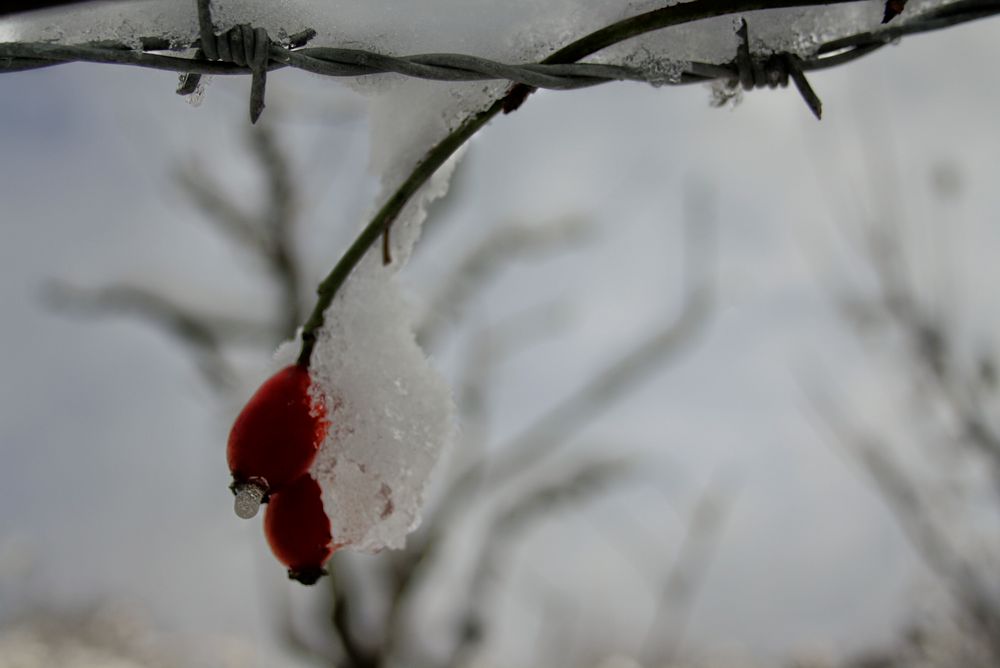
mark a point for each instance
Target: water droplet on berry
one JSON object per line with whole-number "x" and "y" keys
{"x": 249, "y": 496}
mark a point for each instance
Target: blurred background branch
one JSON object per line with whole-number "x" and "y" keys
{"x": 389, "y": 586}
{"x": 928, "y": 474}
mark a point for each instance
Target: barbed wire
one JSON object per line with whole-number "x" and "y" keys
{"x": 244, "y": 50}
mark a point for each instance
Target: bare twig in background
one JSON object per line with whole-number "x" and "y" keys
{"x": 201, "y": 334}
{"x": 537, "y": 441}
{"x": 588, "y": 480}
{"x": 269, "y": 234}
{"x": 543, "y": 437}
{"x": 278, "y": 218}
{"x": 346, "y": 595}
{"x": 290, "y": 634}
{"x": 220, "y": 210}
{"x": 952, "y": 429}
{"x": 369, "y": 623}
{"x": 487, "y": 347}
{"x": 664, "y": 637}
{"x": 935, "y": 541}
{"x": 931, "y": 351}
{"x": 505, "y": 245}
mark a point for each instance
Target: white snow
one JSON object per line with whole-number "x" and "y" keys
{"x": 515, "y": 30}
{"x": 391, "y": 414}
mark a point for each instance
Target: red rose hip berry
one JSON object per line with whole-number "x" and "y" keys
{"x": 298, "y": 529}
{"x": 274, "y": 439}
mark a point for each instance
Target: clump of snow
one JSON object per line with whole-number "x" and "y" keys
{"x": 391, "y": 414}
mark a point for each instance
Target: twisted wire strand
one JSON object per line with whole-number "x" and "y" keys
{"x": 241, "y": 51}
{"x": 245, "y": 50}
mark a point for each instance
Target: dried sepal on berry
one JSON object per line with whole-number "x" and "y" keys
{"x": 298, "y": 529}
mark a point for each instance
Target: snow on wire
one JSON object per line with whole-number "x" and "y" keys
{"x": 244, "y": 50}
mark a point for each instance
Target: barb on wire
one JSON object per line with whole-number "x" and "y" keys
{"x": 242, "y": 45}
{"x": 772, "y": 72}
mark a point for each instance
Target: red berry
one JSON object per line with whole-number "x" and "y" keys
{"x": 275, "y": 437}
{"x": 298, "y": 529}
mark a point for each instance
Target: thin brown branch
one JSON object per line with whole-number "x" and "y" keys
{"x": 345, "y": 599}
{"x": 931, "y": 540}
{"x": 931, "y": 351}
{"x": 480, "y": 266}
{"x": 221, "y": 211}
{"x": 587, "y": 481}
{"x": 543, "y": 437}
{"x": 279, "y": 609}
{"x": 279, "y": 218}
{"x": 665, "y": 635}
{"x": 196, "y": 332}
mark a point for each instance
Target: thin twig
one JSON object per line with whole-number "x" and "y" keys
{"x": 434, "y": 158}
{"x": 930, "y": 539}
{"x": 220, "y": 209}
{"x": 345, "y": 598}
{"x": 278, "y": 219}
{"x": 200, "y": 333}
{"x": 543, "y": 437}
{"x": 665, "y": 633}
{"x": 483, "y": 262}
{"x": 588, "y": 480}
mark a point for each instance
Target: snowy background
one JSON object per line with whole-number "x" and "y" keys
{"x": 113, "y": 485}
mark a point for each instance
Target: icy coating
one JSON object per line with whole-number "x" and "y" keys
{"x": 513, "y": 30}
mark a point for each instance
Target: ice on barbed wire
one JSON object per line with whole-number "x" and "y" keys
{"x": 514, "y": 30}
